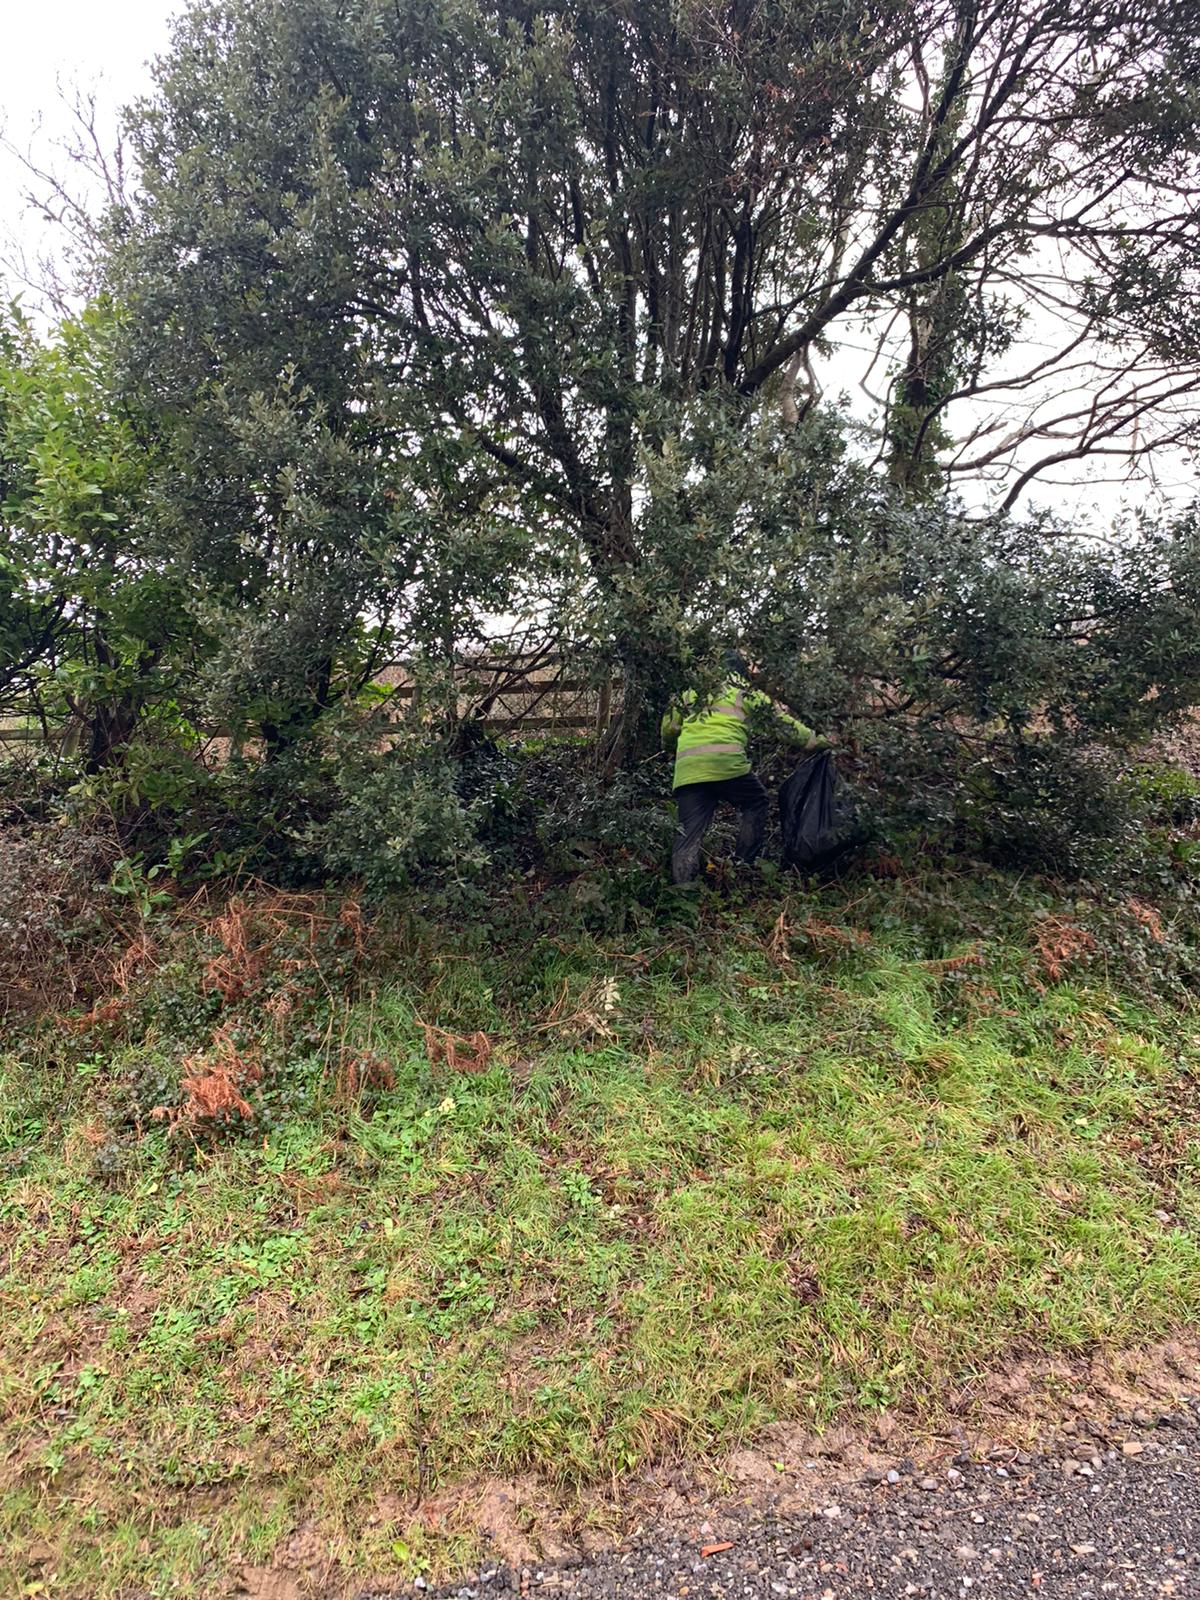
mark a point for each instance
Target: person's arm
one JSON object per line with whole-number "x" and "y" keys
{"x": 798, "y": 733}
{"x": 674, "y": 716}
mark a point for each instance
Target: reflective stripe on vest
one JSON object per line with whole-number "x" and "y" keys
{"x": 711, "y": 750}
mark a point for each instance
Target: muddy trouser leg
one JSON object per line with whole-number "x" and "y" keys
{"x": 753, "y": 802}
{"x": 696, "y": 804}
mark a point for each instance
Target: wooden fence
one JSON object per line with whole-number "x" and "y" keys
{"x": 535, "y": 692}
{"x": 529, "y": 691}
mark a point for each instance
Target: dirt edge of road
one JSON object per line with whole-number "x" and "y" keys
{"x": 1031, "y": 1404}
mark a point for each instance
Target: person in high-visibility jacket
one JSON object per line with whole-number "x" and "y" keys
{"x": 712, "y": 767}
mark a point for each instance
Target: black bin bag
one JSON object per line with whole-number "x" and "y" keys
{"x": 814, "y": 820}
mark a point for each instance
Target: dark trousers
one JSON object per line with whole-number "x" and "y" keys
{"x": 697, "y": 804}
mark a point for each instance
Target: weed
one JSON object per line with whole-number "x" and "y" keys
{"x": 460, "y": 1055}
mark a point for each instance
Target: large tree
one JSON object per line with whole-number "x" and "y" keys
{"x": 428, "y": 289}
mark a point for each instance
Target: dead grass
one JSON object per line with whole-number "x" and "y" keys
{"x": 248, "y": 930}
{"x": 471, "y": 1054}
{"x": 1060, "y": 943}
{"x": 212, "y": 1085}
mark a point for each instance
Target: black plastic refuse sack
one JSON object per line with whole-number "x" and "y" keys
{"x": 811, "y": 815}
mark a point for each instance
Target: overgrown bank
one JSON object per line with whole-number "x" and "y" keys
{"x": 529, "y": 1198}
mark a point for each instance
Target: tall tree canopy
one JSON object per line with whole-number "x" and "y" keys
{"x": 449, "y": 301}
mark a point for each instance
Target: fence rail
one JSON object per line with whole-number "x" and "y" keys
{"x": 542, "y": 691}
{"x": 538, "y": 692}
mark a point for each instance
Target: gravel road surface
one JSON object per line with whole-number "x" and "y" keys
{"x": 1115, "y": 1514}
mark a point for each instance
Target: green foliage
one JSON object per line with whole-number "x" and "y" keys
{"x": 1170, "y": 795}
{"x": 1067, "y": 813}
{"x": 395, "y": 816}
{"x": 93, "y": 599}
{"x": 573, "y": 815}
{"x": 459, "y": 310}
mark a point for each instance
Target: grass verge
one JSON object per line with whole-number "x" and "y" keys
{"x": 711, "y": 1175}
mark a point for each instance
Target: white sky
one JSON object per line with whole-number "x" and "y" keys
{"x": 108, "y": 49}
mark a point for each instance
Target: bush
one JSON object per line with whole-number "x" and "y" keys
{"x": 396, "y": 818}
{"x": 575, "y": 816}
{"x": 1069, "y": 812}
{"x": 1170, "y": 795}
{"x": 57, "y": 908}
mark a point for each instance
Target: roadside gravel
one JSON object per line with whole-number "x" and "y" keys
{"x": 1111, "y": 1512}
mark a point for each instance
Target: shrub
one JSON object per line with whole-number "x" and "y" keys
{"x": 1066, "y": 811}
{"x": 575, "y": 815}
{"x": 1170, "y": 795}
{"x": 395, "y": 819}
{"x": 57, "y": 911}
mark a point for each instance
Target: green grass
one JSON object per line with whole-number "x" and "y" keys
{"x": 703, "y": 1185}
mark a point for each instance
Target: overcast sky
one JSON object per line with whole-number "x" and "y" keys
{"x": 106, "y": 47}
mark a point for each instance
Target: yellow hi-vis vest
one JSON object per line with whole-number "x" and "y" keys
{"x": 712, "y": 740}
